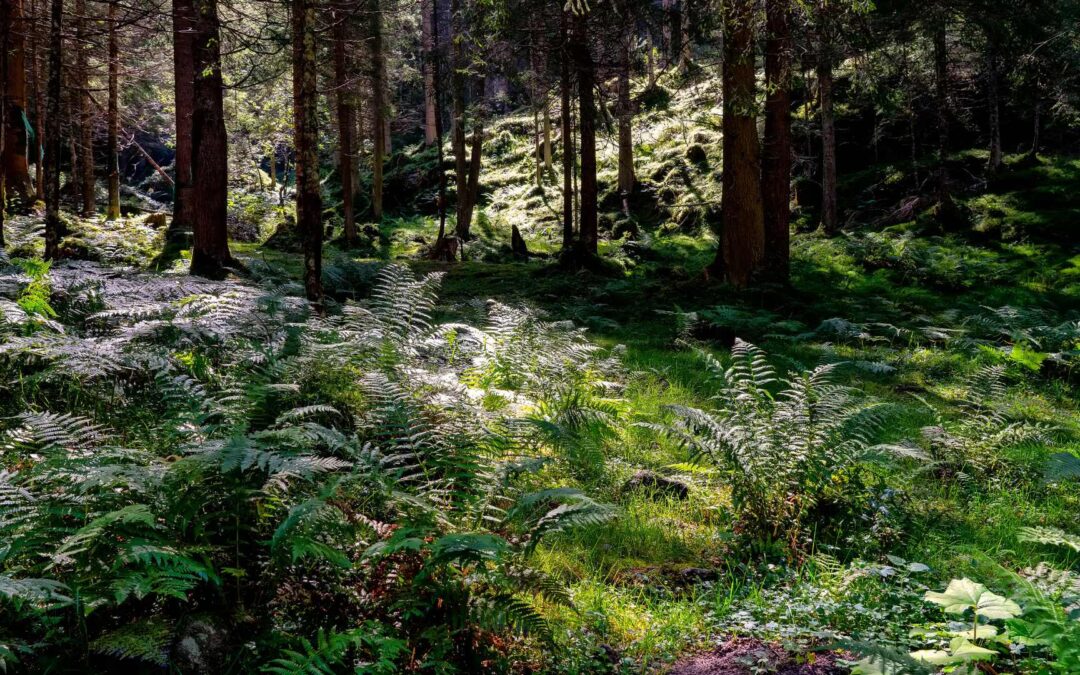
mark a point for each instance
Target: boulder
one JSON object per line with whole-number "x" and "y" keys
{"x": 653, "y": 483}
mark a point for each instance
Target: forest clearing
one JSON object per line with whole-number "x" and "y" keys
{"x": 702, "y": 337}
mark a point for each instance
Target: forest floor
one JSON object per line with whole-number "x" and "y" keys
{"x": 919, "y": 314}
{"x": 916, "y": 312}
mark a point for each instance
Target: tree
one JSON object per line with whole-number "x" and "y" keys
{"x": 776, "y": 153}
{"x": 54, "y": 226}
{"x": 183, "y": 17}
{"x": 586, "y": 83}
{"x": 378, "y": 109}
{"x": 428, "y": 19}
{"x": 346, "y": 121}
{"x": 16, "y": 167}
{"x": 627, "y": 179}
{"x": 85, "y": 114}
{"x": 567, "y": 129}
{"x": 742, "y": 237}
{"x": 112, "y": 211}
{"x": 306, "y": 128}
{"x": 830, "y": 219}
{"x": 210, "y": 256}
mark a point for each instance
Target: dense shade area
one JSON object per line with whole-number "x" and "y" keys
{"x": 711, "y": 337}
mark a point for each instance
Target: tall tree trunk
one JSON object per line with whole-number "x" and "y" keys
{"x": 306, "y": 131}
{"x": 627, "y": 180}
{"x": 436, "y": 61}
{"x": 39, "y": 104}
{"x": 547, "y": 133}
{"x": 830, "y": 221}
{"x": 54, "y": 227}
{"x": 993, "y": 82}
{"x": 112, "y": 212}
{"x": 428, "y": 16}
{"x": 457, "y": 94}
{"x": 16, "y": 168}
{"x": 210, "y": 256}
{"x": 85, "y": 114}
{"x": 1036, "y": 126}
{"x": 567, "y": 138}
{"x": 742, "y": 237}
{"x": 346, "y": 125}
{"x": 586, "y": 77}
{"x": 378, "y": 110}
{"x": 685, "y": 52}
{"x": 941, "y": 101}
{"x": 472, "y": 182}
{"x": 5, "y": 48}
{"x": 667, "y": 42}
{"x": 183, "y": 220}
{"x": 776, "y": 153}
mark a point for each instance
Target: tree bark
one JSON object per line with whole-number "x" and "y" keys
{"x": 112, "y": 212}
{"x": 472, "y": 182}
{"x": 993, "y": 82}
{"x": 5, "y": 48}
{"x": 435, "y": 51}
{"x": 183, "y": 220}
{"x": 346, "y": 125}
{"x": 16, "y": 168}
{"x": 742, "y": 237}
{"x": 210, "y": 256}
{"x": 427, "y": 18}
{"x": 567, "y": 139}
{"x": 627, "y": 179}
{"x": 586, "y": 75}
{"x": 54, "y": 227}
{"x": 85, "y": 114}
{"x": 457, "y": 94}
{"x": 39, "y": 105}
{"x": 941, "y": 101}
{"x": 830, "y": 221}
{"x": 378, "y": 110}
{"x": 776, "y": 153}
{"x": 306, "y": 130}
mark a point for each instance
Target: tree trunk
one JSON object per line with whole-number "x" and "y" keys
{"x": 472, "y": 182}
{"x": 210, "y": 256}
{"x": 183, "y": 220}
{"x": 39, "y": 105}
{"x": 586, "y": 74}
{"x": 85, "y": 114}
{"x": 435, "y": 60}
{"x": 742, "y": 237}
{"x": 685, "y": 52}
{"x": 941, "y": 101}
{"x": 378, "y": 111}
{"x": 54, "y": 227}
{"x": 993, "y": 83}
{"x": 547, "y": 134}
{"x": 627, "y": 180}
{"x": 776, "y": 153}
{"x": 16, "y": 168}
{"x": 427, "y": 18}
{"x": 5, "y": 48}
{"x": 346, "y": 125}
{"x": 1033, "y": 153}
{"x": 112, "y": 212}
{"x": 567, "y": 139}
{"x": 830, "y": 221}
{"x": 306, "y": 130}
{"x": 457, "y": 94}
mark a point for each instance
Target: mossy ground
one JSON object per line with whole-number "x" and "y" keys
{"x": 1019, "y": 252}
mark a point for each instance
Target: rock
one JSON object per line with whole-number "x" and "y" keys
{"x": 696, "y": 154}
{"x": 517, "y": 244}
{"x": 157, "y": 220}
{"x": 691, "y": 576}
{"x": 653, "y": 483}
{"x": 201, "y": 647}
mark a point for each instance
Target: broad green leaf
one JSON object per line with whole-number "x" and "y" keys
{"x": 964, "y": 650}
{"x": 936, "y": 657}
{"x": 965, "y": 594}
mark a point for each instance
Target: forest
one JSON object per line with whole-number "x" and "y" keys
{"x": 701, "y": 337}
